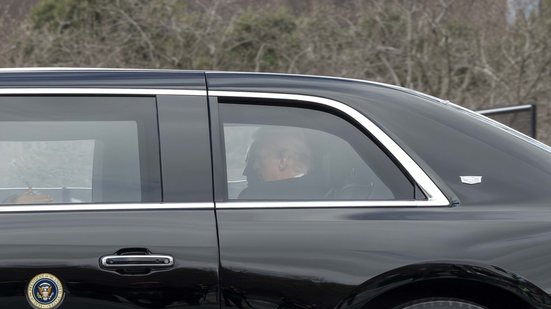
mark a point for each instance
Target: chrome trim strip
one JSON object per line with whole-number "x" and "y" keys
{"x": 86, "y": 207}
{"x": 434, "y": 195}
{"x": 326, "y": 204}
{"x": 47, "y": 188}
{"x": 504, "y": 109}
{"x": 114, "y": 91}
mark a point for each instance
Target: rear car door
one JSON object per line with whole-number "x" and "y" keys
{"x": 301, "y": 183}
{"x": 106, "y": 199}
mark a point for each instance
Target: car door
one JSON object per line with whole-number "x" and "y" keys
{"x": 305, "y": 240}
{"x": 106, "y": 199}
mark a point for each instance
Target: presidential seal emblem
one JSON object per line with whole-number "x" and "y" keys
{"x": 45, "y": 291}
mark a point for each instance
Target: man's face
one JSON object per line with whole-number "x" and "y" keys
{"x": 263, "y": 164}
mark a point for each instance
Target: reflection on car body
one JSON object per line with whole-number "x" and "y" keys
{"x": 173, "y": 189}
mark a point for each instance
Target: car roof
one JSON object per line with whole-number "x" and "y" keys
{"x": 101, "y": 78}
{"x": 42, "y": 72}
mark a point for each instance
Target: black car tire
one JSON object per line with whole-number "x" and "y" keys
{"x": 439, "y": 303}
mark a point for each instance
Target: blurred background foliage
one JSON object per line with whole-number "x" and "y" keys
{"x": 471, "y": 52}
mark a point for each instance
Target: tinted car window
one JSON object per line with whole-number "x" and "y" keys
{"x": 78, "y": 150}
{"x": 291, "y": 153}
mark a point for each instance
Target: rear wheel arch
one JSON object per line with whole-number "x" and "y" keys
{"x": 477, "y": 292}
{"x": 487, "y": 285}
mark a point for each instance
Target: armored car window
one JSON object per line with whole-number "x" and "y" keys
{"x": 78, "y": 150}
{"x": 291, "y": 153}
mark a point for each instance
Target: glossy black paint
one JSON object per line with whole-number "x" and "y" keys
{"x": 185, "y": 148}
{"x": 69, "y": 245}
{"x": 188, "y": 80}
{"x": 320, "y": 257}
{"x": 336, "y": 257}
{"x": 494, "y": 240}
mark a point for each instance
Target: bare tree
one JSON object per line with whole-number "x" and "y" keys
{"x": 465, "y": 51}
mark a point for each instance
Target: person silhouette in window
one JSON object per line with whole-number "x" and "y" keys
{"x": 279, "y": 167}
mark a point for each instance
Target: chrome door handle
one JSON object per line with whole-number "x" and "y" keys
{"x": 150, "y": 260}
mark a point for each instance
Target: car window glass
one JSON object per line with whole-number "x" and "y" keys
{"x": 289, "y": 153}
{"x": 77, "y": 154}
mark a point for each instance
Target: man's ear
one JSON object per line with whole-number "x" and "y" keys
{"x": 284, "y": 161}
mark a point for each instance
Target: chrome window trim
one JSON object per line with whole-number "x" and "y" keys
{"x": 435, "y": 197}
{"x": 323, "y": 204}
{"x": 88, "y": 207}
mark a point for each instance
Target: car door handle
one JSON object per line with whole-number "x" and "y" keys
{"x": 126, "y": 261}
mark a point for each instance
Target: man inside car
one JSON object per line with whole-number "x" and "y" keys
{"x": 279, "y": 167}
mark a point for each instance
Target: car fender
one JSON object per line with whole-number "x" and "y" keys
{"x": 451, "y": 270}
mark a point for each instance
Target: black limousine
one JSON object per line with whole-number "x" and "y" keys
{"x": 176, "y": 189}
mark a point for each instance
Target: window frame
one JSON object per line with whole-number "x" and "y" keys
{"x": 107, "y": 206}
{"x": 435, "y": 197}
